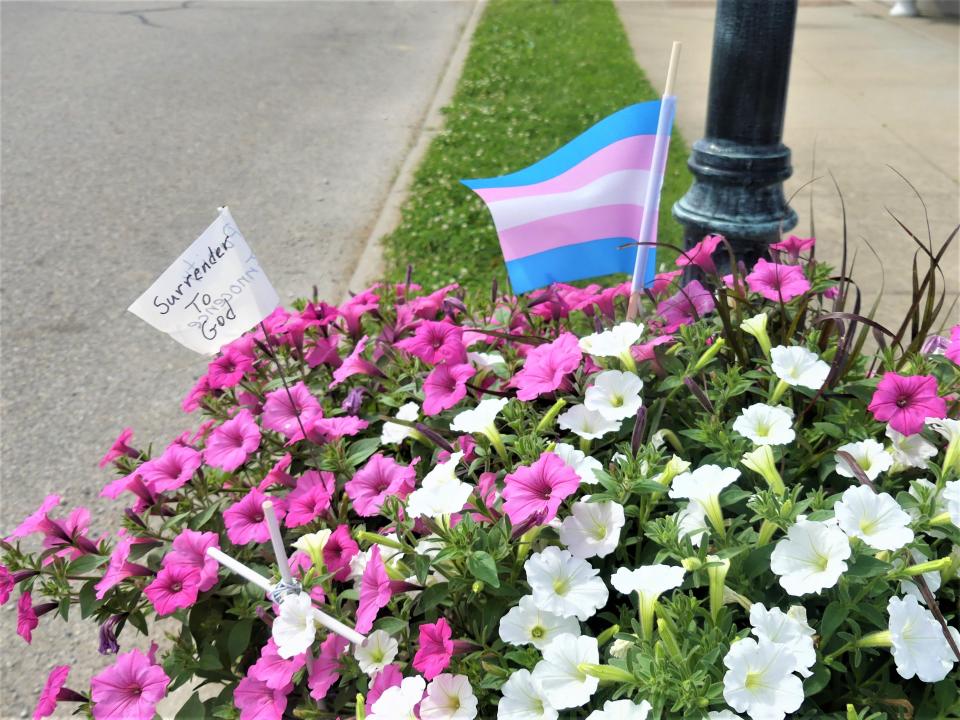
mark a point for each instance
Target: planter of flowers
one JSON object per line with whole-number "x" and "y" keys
{"x": 531, "y": 508}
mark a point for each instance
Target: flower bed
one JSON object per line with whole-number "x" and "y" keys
{"x": 532, "y": 508}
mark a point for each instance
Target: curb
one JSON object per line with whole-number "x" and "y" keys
{"x": 370, "y": 266}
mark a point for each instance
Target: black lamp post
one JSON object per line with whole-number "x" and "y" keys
{"x": 741, "y": 163}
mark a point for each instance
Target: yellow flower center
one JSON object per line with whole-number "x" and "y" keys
{"x": 561, "y": 586}
{"x": 754, "y": 680}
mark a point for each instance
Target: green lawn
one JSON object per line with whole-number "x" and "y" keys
{"x": 538, "y": 74}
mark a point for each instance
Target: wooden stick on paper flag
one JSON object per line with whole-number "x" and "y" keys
{"x": 212, "y": 294}
{"x": 648, "y": 223}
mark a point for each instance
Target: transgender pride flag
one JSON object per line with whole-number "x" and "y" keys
{"x": 565, "y": 217}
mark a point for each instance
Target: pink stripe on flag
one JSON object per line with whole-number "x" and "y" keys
{"x": 632, "y": 153}
{"x": 598, "y": 223}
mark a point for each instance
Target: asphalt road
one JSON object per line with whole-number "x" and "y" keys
{"x": 124, "y": 126}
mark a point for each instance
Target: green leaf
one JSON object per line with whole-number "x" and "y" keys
{"x": 833, "y": 618}
{"x": 239, "y": 638}
{"x": 867, "y": 566}
{"x": 200, "y": 520}
{"x": 391, "y": 625}
{"x": 87, "y": 563}
{"x": 88, "y": 598}
{"x": 362, "y": 449}
{"x": 483, "y": 567}
{"x": 434, "y": 595}
{"x": 816, "y": 682}
{"x": 192, "y": 709}
{"x": 137, "y": 619}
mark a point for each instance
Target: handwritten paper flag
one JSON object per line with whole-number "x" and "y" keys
{"x": 212, "y": 294}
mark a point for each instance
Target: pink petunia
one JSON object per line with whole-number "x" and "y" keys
{"x": 132, "y": 483}
{"x": 355, "y": 364}
{"x": 273, "y": 670}
{"x": 906, "y": 400}
{"x": 547, "y": 366}
{"x": 69, "y": 535}
{"x": 683, "y": 308}
{"x": 189, "y": 549}
{"x": 953, "y": 349}
{"x": 794, "y": 245}
{"x": 118, "y": 567}
{"x": 445, "y": 386}
{"x": 129, "y": 689}
{"x": 175, "y": 587}
{"x": 701, "y": 254}
{"x": 27, "y": 619}
{"x": 35, "y": 522}
{"x": 537, "y": 491}
{"x": 379, "y": 479}
{"x": 323, "y": 672}
{"x": 245, "y": 520}
{"x": 428, "y": 306}
{"x": 6, "y": 584}
{"x": 197, "y": 393}
{"x": 310, "y": 498}
{"x": 375, "y": 591}
{"x": 390, "y": 676}
{"x": 232, "y": 443}
{"x": 119, "y": 448}
{"x": 257, "y": 701}
{"x": 286, "y": 417}
{"x": 228, "y": 369}
{"x": 353, "y": 310}
{"x": 50, "y": 694}
{"x": 436, "y": 342}
{"x": 323, "y": 351}
{"x": 436, "y": 648}
{"x": 278, "y": 474}
{"x": 644, "y": 351}
{"x": 339, "y": 551}
{"x": 173, "y": 469}
{"x": 323, "y": 429}
{"x": 663, "y": 281}
{"x": 777, "y": 282}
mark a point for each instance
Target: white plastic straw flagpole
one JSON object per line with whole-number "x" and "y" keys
{"x": 332, "y": 624}
{"x": 240, "y": 569}
{"x": 276, "y": 539}
{"x": 651, "y": 200}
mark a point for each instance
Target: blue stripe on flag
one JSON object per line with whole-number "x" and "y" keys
{"x": 639, "y": 119}
{"x": 576, "y": 262}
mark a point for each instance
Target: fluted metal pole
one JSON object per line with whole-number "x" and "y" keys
{"x": 740, "y": 164}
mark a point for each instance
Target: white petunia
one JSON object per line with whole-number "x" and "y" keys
{"x": 581, "y": 463}
{"x": 592, "y": 529}
{"x": 588, "y": 424}
{"x": 449, "y": 697}
{"x": 312, "y": 544}
{"x": 703, "y": 486}
{"x": 869, "y": 455}
{"x": 480, "y": 419}
{"x": 760, "y": 680}
{"x": 615, "y": 395}
{"x": 798, "y": 366}
{"x": 398, "y": 702}
{"x": 615, "y": 342}
{"x": 394, "y": 433}
{"x": 436, "y": 502}
{"x": 485, "y": 361}
{"x": 443, "y": 473}
{"x": 723, "y": 715}
{"x": 811, "y": 557}
{"x": 559, "y": 674}
{"x": 622, "y": 710}
{"x": 692, "y": 522}
{"x": 358, "y": 563}
{"x": 947, "y": 428}
{"x": 649, "y": 582}
{"x": 524, "y": 699}
{"x": 789, "y": 629}
{"x": 875, "y": 518}
{"x": 528, "y": 623}
{"x": 766, "y": 424}
{"x": 565, "y": 585}
{"x": 376, "y": 652}
{"x": 295, "y": 626}
{"x": 620, "y": 647}
{"x": 909, "y": 451}
{"x": 919, "y": 645}
{"x": 675, "y": 465}
{"x": 951, "y": 496}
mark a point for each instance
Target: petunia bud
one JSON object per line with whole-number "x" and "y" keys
{"x": 669, "y": 639}
{"x": 547, "y": 421}
{"x": 925, "y": 567}
{"x": 605, "y": 636}
{"x": 675, "y": 466}
{"x": 757, "y": 326}
{"x": 607, "y": 673}
{"x": 709, "y": 354}
{"x": 717, "y": 572}
{"x": 691, "y": 563}
{"x": 761, "y": 461}
{"x": 361, "y": 708}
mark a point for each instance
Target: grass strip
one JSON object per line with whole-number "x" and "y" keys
{"x": 539, "y": 72}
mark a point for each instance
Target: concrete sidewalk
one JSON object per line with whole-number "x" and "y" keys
{"x": 870, "y": 91}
